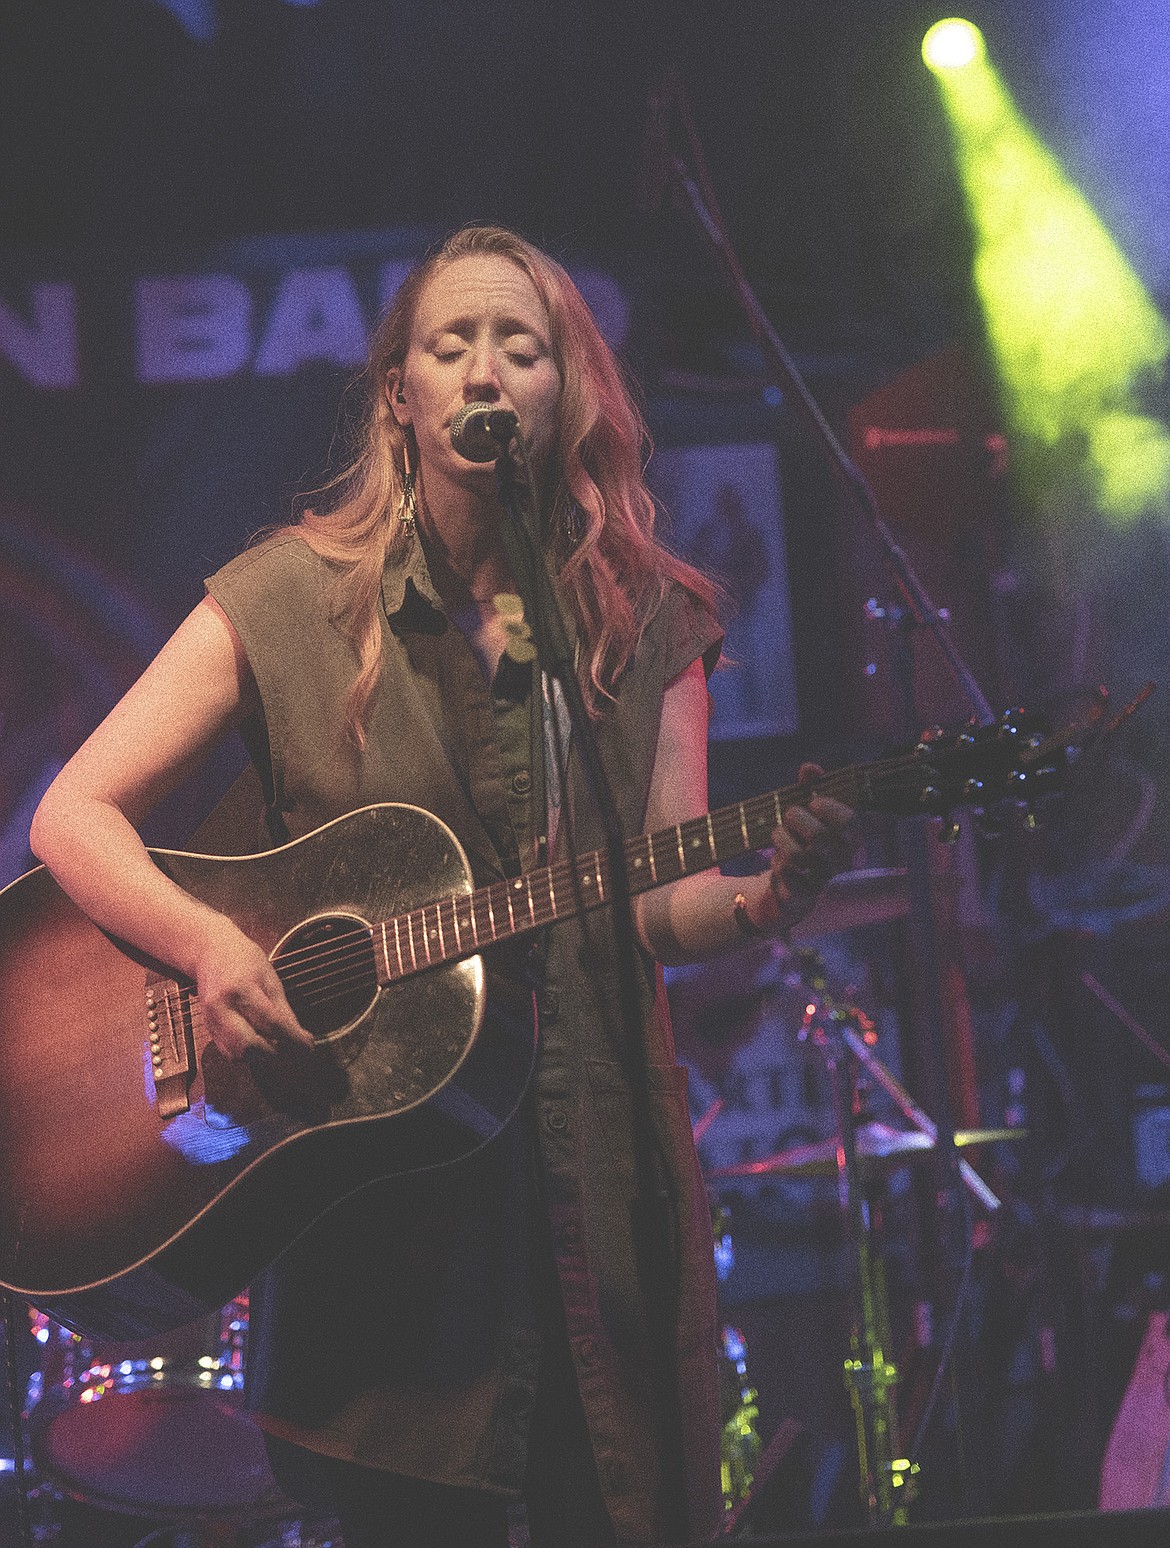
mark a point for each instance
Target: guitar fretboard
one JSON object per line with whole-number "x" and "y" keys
{"x": 454, "y": 927}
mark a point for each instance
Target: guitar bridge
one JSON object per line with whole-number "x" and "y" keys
{"x": 172, "y": 1045}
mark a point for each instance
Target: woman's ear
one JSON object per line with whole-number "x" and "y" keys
{"x": 397, "y": 398}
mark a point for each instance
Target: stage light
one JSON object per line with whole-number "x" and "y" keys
{"x": 1076, "y": 339}
{"x": 951, "y": 44}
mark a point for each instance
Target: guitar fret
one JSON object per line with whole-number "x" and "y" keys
{"x": 636, "y": 860}
{"x": 464, "y": 922}
{"x": 410, "y": 938}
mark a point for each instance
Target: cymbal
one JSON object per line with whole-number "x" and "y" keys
{"x": 877, "y": 1144}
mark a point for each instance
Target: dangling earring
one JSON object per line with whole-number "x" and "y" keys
{"x": 407, "y": 512}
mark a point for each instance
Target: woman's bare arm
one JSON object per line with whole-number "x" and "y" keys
{"x": 688, "y": 920}
{"x": 196, "y": 689}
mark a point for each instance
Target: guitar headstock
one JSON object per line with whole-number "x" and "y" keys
{"x": 1013, "y": 763}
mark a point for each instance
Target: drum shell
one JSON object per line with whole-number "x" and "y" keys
{"x": 154, "y": 1428}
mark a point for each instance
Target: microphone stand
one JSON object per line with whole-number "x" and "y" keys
{"x": 653, "y": 1205}
{"x": 918, "y": 612}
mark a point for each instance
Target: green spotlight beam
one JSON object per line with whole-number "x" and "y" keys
{"x": 1074, "y": 333}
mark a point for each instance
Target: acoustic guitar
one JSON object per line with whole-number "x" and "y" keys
{"x": 144, "y": 1178}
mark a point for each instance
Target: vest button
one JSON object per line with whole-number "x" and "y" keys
{"x": 557, "y": 1120}
{"x": 522, "y": 782}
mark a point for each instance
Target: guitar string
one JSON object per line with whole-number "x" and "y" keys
{"x": 330, "y": 971}
{"x": 317, "y": 963}
{"x": 727, "y": 818}
{"x": 321, "y": 972}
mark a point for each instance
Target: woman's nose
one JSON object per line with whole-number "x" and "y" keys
{"x": 483, "y": 376}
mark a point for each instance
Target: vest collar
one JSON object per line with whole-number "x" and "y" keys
{"x": 408, "y": 595}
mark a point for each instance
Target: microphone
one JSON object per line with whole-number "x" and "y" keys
{"x": 481, "y": 432}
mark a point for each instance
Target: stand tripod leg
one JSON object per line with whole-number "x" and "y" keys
{"x": 885, "y": 1477}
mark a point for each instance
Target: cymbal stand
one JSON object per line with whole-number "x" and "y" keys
{"x": 896, "y": 1091}
{"x": 886, "y": 1478}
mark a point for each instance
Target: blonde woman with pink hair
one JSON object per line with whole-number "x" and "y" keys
{"x": 441, "y": 1344}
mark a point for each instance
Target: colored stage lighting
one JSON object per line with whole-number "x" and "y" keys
{"x": 951, "y": 44}
{"x": 1077, "y": 341}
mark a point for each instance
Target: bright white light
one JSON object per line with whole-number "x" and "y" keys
{"x": 951, "y": 44}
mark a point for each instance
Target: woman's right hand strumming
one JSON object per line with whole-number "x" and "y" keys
{"x": 244, "y": 1006}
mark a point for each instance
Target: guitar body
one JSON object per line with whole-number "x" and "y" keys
{"x": 122, "y": 1222}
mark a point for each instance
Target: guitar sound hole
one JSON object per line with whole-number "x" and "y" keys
{"x": 327, "y": 968}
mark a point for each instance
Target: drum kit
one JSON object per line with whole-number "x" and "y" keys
{"x": 861, "y": 1156}
{"x": 157, "y": 1430}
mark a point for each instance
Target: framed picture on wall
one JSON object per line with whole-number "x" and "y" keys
{"x": 726, "y": 516}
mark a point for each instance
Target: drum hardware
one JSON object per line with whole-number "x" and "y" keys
{"x": 845, "y": 1037}
{"x": 879, "y": 1147}
{"x": 858, "y": 1154}
{"x": 886, "y": 1478}
{"x": 739, "y": 1441}
{"x": 154, "y": 1428}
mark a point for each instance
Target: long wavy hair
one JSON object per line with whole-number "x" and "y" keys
{"x": 610, "y": 568}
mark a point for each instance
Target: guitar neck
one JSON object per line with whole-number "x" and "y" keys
{"x": 454, "y": 927}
